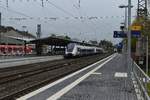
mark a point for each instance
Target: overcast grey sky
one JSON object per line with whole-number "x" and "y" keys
{"x": 109, "y": 17}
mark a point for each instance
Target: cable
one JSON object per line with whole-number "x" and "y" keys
{"x": 13, "y": 11}
{"x": 83, "y": 21}
{"x": 85, "y": 13}
{"x": 19, "y": 13}
{"x": 66, "y": 12}
{"x": 46, "y": 22}
{"x": 66, "y": 18}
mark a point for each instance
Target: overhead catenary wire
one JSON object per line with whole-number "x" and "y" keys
{"x": 43, "y": 9}
{"x": 93, "y": 28}
{"x": 67, "y": 18}
{"x": 13, "y": 11}
{"x": 66, "y": 12}
{"x": 18, "y": 13}
{"x": 61, "y": 9}
{"x": 32, "y": 18}
{"x": 82, "y": 19}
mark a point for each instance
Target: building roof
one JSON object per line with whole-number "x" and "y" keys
{"x": 52, "y": 41}
{"x": 10, "y": 31}
{"x": 9, "y": 40}
{"x": 58, "y": 41}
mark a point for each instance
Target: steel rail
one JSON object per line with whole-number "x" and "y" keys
{"x": 35, "y": 83}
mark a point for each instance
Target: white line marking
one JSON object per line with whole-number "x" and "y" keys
{"x": 119, "y": 74}
{"x": 72, "y": 85}
{"x": 95, "y": 73}
{"x": 27, "y": 96}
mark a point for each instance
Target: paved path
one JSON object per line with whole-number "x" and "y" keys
{"x": 105, "y": 80}
{"x": 105, "y": 86}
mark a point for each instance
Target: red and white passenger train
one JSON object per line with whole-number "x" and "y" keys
{"x": 15, "y": 49}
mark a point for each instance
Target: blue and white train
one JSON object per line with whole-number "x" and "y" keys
{"x": 76, "y": 50}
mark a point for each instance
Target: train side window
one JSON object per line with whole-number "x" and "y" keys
{"x": 3, "y": 49}
{"x": 78, "y": 49}
{"x": 9, "y": 49}
{"x": 14, "y": 49}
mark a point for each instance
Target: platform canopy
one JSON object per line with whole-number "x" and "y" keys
{"x": 57, "y": 41}
{"x": 51, "y": 41}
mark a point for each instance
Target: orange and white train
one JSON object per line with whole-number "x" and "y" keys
{"x": 15, "y": 50}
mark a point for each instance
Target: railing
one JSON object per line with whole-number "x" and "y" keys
{"x": 143, "y": 81}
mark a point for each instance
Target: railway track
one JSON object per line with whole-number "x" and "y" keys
{"x": 17, "y": 81}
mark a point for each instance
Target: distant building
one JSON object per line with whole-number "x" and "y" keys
{"x": 9, "y": 35}
{"x": 93, "y": 42}
{"x": 12, "y": 41}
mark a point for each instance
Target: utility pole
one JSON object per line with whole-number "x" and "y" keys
{"x": 126, "y": 15}
{"x": 79, "y": 3}
{"x": 129, "y": 34}
{"x": 147, "y": 55}
{"x": 142, "y": 8}
{"x": 0, "y": 19}
{"x": 39, "y": 44}
{"x": 42, "y": 3}
{"x": 38, "y": 31}
{"x": 126, "y": 27}
{"x": 0, "y": 25}
{"x": 142, "y": 12}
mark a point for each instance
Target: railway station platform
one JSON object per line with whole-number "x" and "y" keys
{"x": 27, "y": 60}
{"x": 107, "y": 79}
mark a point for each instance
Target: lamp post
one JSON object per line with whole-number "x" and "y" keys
{"x": 125, "y": 24}
{"x": 129, "y": 35}
{"x": 126, "y": 15}
{"x": 128, "y": 7}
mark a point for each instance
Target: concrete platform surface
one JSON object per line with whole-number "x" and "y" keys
{"x": 2, "y": 57}
{"x": 107, "y": 79}
{"x": 27, "y": 60}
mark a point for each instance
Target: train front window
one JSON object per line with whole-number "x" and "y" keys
{"x": 70, "y": 47}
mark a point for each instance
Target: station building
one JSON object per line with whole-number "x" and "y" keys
{"x": 14, "y": 42}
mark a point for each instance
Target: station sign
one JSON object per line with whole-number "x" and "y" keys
{"x": 136, "y": 30}
{"x": 136, "y": 27}
{"x": 120, "y": 45}
{"x": 119, "y": 34}
{"x": 122, "y": 34}
{"x": 136, "y": 34}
